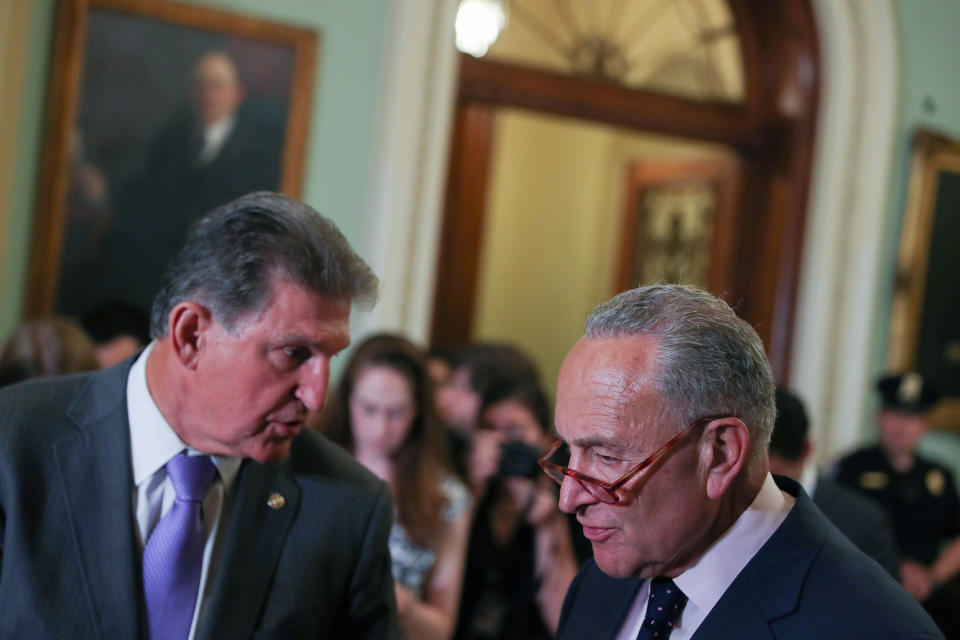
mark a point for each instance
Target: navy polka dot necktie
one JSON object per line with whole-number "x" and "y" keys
{"x": 663, "y": 608}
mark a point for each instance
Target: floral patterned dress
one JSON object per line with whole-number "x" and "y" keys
{"x": 411, "y": 562}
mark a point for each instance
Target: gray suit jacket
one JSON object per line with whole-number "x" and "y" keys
{"x": 807, "y": 581}
{"x": 69, "y": 563}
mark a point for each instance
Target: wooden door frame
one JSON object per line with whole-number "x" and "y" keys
{"x": 771, "y": 131}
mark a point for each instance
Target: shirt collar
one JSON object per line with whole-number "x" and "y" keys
{"x": 152, "y": 440}
{"x": 216, "y": 132}
{"x": 808, "y": 479}
{"x": 706, "y": 581}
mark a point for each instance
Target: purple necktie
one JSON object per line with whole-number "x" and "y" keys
{"x": 173, "y": 556}
{"x": 664, "y": 607}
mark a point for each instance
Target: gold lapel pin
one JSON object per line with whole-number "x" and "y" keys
{"x": 276, "y": 501}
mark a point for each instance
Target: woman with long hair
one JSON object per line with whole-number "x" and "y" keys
{"x": 383, "y": 413}
{"x": 522, "y": 556}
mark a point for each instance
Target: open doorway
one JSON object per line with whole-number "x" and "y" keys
{"x": 767, "y": 129}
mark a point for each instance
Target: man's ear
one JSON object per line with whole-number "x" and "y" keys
{"x": 724, "y": 448}
{"x": 187, "y": 326}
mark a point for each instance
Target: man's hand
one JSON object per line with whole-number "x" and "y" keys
{"x": 405, "y": 598}
{"x": 915, "y": 578}
{"x": 484, "y": 459}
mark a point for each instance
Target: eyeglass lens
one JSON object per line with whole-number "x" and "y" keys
{"x": 561, "y": 458}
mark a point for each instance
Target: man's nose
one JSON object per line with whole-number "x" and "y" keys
{"x": 573, "y": 495}
{"x": 313, "y": 383}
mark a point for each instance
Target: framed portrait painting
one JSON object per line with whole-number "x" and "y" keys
{"x": 925, "y": 327}
{"x": 157, "y": 113}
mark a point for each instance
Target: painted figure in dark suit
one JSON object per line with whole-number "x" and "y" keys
{"x": 217, "y": 147}
{"x": 289, "y": 533}
{"x": 665, "y": 409}
{"x": 862, "y": 521}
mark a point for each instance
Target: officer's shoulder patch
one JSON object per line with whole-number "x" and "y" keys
{"x": 935, "y": 481}
{"x": 873, "y": 480}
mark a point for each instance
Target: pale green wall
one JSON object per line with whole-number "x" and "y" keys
{"x": 347, "y": 89}
{"x": 929, "y": 51}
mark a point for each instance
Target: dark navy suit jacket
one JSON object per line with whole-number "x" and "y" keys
{"x": 865, "y": 523}
{"x": 69, "y": 563}
{"x": 807, "y": 581}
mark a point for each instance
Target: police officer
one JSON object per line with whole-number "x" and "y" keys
{"x": 919, "y": 495}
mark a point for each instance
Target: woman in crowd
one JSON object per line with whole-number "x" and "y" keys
{"x": 48, "y": 346}
{"x": 383, "y": 413}
{"x": 521, "y": 555}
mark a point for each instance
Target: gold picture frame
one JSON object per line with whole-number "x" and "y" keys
{"x": 925, "y": 322}
{"x": 124, "y": 76}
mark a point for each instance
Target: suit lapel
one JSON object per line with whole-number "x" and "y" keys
{"x": 618, "y": 603}
{"x": 251, "y": 546}
{"x": 602, "y": 604}
{"x": 96, "y": 478}
{"x": 769, "y": 587}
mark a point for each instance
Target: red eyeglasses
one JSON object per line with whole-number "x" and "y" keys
{"x": 553, "y": 464}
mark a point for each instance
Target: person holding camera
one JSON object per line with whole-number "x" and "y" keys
{"x": 383, "y": 414}
{"x": 521, "y": 557}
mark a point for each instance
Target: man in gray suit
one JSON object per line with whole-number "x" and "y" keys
{"x": 665, "y": 408}
{"x": 178, "y": 494}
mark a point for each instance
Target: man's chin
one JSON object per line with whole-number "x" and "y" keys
{"x": 614, "y": 566}
{"x": 611, "y": 567}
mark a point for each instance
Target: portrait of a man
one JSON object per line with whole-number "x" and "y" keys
{"x": 171, "y": 122}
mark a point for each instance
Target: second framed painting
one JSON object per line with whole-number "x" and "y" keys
{"x": 157, "y": 113}
{"x": 925, "y": 323}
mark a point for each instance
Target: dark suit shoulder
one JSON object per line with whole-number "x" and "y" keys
{"x": 35, "y": 408}
{"x": 865, "y": 600}
{"x": 840, "y": 591}
{"x": 839, "y": 502}
{"x": 315, "y": 456}
{"x": 862, "y": 520}
{"x": 596, "y": 604}
{"x": 40, "y": 392}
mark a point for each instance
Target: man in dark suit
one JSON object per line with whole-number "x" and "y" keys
{"x": 863, "y": 522}
{"x": 178, "y": 495}
{"x": 664, "y": 409}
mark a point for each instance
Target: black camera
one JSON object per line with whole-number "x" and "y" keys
{"x": 518, "y": 459}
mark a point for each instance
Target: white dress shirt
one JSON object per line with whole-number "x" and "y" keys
{"x": 214, "y": 137}
{"x": 808, "y": 478}
{"x": 706, "y": 581}
{"x": 152, "y": 443}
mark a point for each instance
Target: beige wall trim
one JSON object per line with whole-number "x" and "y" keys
{"x": 843, "y": 247}
{"x": 409, "y": 167}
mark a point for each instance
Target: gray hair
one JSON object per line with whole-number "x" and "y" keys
{"x": 709, "y": 361}
{"x": 234, "y": 254}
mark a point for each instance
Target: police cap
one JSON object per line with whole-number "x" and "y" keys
{"x": 908, "y": 392}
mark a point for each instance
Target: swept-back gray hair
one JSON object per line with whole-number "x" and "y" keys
{"x": 234, "y": 254}
{"x": 709, "y": 362}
